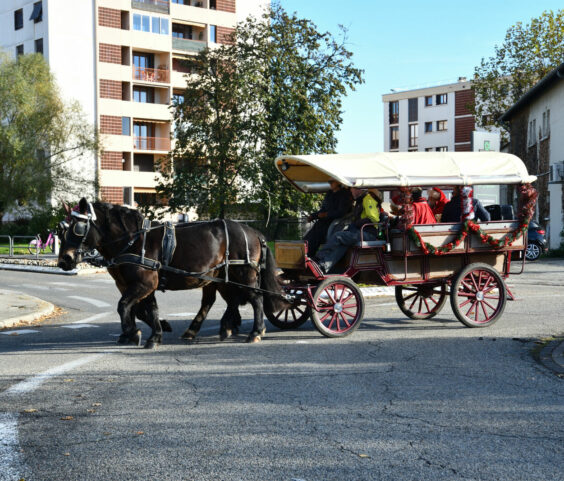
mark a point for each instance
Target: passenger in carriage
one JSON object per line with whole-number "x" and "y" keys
{"x": 437, "y": 200}
{"x": 422, "y": 213}
{"x": 366, "y": 211}
{"x": 464, "y": 204}
{"x": 336, "y": 204}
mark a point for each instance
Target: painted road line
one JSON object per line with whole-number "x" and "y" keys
{"x": 89, "y": 300}
{"x": 79, "y": 326}
{"x": 32, "y": 383}
{"x": 11, "y": 462}
{"x": 19, "y": 332}
{"x": 93, "y": 318}
{"x": 181, "y": 314}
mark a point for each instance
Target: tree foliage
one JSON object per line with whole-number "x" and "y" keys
{"x": 528, "y": 53}
{"x": 40, "y": 136}
{"x": 281, "y": 94}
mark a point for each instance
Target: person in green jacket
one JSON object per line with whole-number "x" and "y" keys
{"x": 366, "y": 211}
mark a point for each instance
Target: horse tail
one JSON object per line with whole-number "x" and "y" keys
{"x": 269, "y": 281}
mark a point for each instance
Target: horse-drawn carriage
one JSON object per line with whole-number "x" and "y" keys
{"x": 466, "y": 261}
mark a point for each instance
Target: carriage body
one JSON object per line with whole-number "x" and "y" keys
{"x": 413, "y": 259}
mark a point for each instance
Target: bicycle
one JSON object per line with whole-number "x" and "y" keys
{"x": 37, "y": 245}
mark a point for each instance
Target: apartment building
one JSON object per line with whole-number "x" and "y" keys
{"x": 122, "y": 60}
{"x": 429, "y": 119}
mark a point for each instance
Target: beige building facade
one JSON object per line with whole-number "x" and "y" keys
{"x": 123, "y": 61}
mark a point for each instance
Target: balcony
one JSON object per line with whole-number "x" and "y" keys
{"x": 151, "y": 143}
{"x": 144, "y": 74}
{"x": 188, "y": 45}
{"x": 159, "y": 6}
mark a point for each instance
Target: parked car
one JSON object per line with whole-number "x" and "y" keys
{"x": 536, "y": 242}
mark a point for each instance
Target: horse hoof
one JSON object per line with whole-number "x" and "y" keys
{"x": 188, "y": 335}
{"x": 151, "y": 344}
{"x": 252, "y": 339}
{"x": 136, "y": 338}
{"x": 166, "y": 326}
{"x": 123, "y": 339}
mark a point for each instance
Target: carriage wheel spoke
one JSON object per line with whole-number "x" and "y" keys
{"x": 413, "y": 303}
{"x": 473, "y": 278}
{"x": 420, "y": 305}
{"x": 470, "y": 308}
{"x": 489, "y": 305}
{"x": 484, "y": 310}
{"x": 427, "y": 305}
{"x": 410, "y": 296}
{"x": 325, "y": 316}
{"x": 465, "y": 285}
{"x": 347, "y": 323}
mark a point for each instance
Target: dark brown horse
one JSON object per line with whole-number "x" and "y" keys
{"x": 201, "y": 250}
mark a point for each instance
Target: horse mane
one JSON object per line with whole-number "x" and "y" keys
{"x": 127, "y": 215}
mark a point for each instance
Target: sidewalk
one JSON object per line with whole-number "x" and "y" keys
{"x": 46, "y": 264}
{"x": 18, "y": 308}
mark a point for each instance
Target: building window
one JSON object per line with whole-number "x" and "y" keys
{"x": 428, "y": 149}
{"x": 19, "y": 50}
{"x": 144, "y": 95}
{"x": 441, "y": 99}
{"x": 532, "y": 132}
{"x": 37, "y": 14}
{"x": 412, "y": 110}
{"x": 181, "y": 2}
{"x": 545, "y": 124}
{"x": 39, "y": 46}
{"x": 182, "y": 31}
{"x": 413, "y": 134}
{"x": 442, "y": 149}
{"x": 429, "y": 101}
{"x": 441, "y": 125}
{"x": 212, "y": 4}
{"x": 213, "y": 33}
{"x": 428, "y": 127}
{"x": 394, "y": 137}
{"x": 125, "y": 126}
{"x": 177, "y": 98}
{"x": 159, "y": 25}
{"x": 18, "y": 19}
{"x": 394, "y": 112}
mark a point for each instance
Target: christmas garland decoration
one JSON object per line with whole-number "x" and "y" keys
{"x": 527, "y": 200}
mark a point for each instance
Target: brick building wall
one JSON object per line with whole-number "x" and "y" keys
{"x": 111, "y": 161}
{"x": 224, "y": 34}
{"x": 110, "y": 89}
{"x": 110, "y": 124}
{"x": 113, "y": 195}
{"x": 110, "y": 53}
{"x": 109, "y": 17}
{"x": 225, "y": 5}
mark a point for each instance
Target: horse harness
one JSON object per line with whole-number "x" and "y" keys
{"x": 82, "y": 227}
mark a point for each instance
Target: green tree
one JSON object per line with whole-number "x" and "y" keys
{"x": 40, "y": 136}
{"x": 528, "y": 53}
{"x": 276, "y": 89}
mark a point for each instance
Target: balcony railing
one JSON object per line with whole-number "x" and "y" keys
{"x": 151, "y": 143}
{"x": 151, "y": 74}
{"x": 187, "y": 44}
{"x": 161, "y": 6}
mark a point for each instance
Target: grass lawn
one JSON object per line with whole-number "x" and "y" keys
{"x": 19, "y": 249}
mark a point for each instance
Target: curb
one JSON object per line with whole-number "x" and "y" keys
{"x": 552, "y": 356}
{"x": 41, "y": 308}
{"x": 50, "y": 270}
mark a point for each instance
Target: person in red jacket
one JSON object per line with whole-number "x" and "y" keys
{"x": 422, "y": 213}
{"x": 436, "y": 199}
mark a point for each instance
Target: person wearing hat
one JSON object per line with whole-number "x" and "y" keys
{"x": 366, "y": 211}
{"x": 337, "y": 203}
{"x": 422, "y": 213}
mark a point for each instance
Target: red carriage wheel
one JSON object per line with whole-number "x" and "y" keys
{"x": 295, "y": 316}
{"x": 338, "y": 307}
{"x": 478, "y": 295}
{"x": 422, "y": 301}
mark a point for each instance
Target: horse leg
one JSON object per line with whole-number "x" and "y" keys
{"x": 208, "y": 298}
{"x": 148, "y": 311}
{"x": 259, "y": 329}
{"x": 126, "y": 311}
{"x": 231, "y": 319}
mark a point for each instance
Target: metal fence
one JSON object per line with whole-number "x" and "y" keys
{"x": 20, "y": 245}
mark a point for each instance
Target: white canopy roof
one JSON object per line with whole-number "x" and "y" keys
{"x": 310, "y": 173}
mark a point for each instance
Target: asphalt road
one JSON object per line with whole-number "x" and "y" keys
{"x": 399, "y": 399}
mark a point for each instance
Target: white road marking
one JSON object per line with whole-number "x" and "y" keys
{"x": 11, "y": 463}
{"x": 79, "y": 326}
{"x": 182, "y": 314}
{"x": 94, "y": 302}
{"x": 93, "y": 318}
{"x": 32, "y": 383}
{"x": 18, "y": 332}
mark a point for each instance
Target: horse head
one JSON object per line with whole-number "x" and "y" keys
{"x": 78, "y": 233}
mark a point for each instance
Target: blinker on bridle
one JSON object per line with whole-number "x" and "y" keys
{"x": 79, "y": 230}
